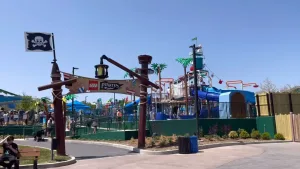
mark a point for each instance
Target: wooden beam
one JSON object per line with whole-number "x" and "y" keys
{"x": 130, "y": 72}
{"x": 49, "y": 86}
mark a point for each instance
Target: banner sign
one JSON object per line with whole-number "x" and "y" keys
{"x": 90, "y": 85}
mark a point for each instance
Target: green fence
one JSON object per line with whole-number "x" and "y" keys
{"x": 19, "y": 130}
{"x": 181, "y": 127}
{"x": 266, "y": 124}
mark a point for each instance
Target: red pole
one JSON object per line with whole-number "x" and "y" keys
{"x": 144, "y": 60}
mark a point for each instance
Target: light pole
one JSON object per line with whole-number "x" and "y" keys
{"x": 73, "y": 73}
{"x": 194, "y": 48}
{"x": 85, "y": 99}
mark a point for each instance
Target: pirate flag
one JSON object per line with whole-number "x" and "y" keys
{"x": 38, "y": 42}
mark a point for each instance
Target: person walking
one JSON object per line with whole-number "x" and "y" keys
{"x": 94, "y": 125}
{"x": 119, "y": 118}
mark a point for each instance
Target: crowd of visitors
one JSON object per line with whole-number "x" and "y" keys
{"x": 21, "y": 117}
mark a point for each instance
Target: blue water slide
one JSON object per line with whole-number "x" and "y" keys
{"x": 207, "y": 95}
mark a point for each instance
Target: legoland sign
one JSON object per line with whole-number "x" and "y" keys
{"x": 91, "y": 85}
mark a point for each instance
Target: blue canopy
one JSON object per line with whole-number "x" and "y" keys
{"x": 77, "y": 105}
{"x": 9, "y": 98}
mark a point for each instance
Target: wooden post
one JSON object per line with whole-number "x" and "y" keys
{"x": 58, "y": 110}
{"x": 258, "y": 105}
{"x": 144, "y": 60}
{"x": 272, "y": 104}
{"x": 268, "y": 103}
{"x": 292, "y": 116}
{"x": 290, "y": 102}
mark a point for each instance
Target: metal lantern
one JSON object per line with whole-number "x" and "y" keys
{"x": 101, "y": 71}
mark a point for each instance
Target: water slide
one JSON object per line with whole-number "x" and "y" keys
{"x": 211, "y": 96}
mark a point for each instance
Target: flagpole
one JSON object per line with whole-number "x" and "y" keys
{"x": 53, "y": 45}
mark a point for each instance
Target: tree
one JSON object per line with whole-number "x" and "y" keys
{"x": 289, "y": 89}
{"x": 27, "y": 103}
{"x": 92, "y": 106}
{"x": 185, "y": 62}
{"x": 267, "y": 86}
{"x": 70, "y": 97}
{"x": 158, "y": 68}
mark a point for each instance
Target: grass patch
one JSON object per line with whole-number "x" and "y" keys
{"x": 45, "y": 157}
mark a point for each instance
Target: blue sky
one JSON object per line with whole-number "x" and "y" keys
{"x": 242, "y": 40}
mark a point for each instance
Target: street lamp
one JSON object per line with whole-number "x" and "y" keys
{"x": 194, "y": 48}
{"x": 73, "y": 73}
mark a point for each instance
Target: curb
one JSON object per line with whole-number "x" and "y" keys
{"x": 48, "y": 165}
{"x": 130, "y": 148}
{"x": 208, "y": 146}
{"x": 149, "y": 152}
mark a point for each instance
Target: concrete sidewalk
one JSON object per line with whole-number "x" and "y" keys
{"x": 206, "y": 159}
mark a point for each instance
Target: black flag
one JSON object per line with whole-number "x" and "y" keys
{"x": 41, "y": 42}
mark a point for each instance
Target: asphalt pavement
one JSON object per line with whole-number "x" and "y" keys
{"x": 263, "y": 156}
{"x": 275, "y": 156}
{"x": 82, "y": 151}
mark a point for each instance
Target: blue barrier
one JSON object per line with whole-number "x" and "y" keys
{"x": 194, "y": 144}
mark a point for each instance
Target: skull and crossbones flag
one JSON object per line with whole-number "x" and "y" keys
{"x": 38, "y": 42}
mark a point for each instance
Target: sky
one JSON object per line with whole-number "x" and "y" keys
{"x": 242, "y": 40}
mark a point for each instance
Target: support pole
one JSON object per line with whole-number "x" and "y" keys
{"x": 58, "y": 111}
{"x": 268, "y": 104}
{"x": 258, "y": 105}
{"x": 272, "y": 104}
{"x": 53, "y": 48}
{"x": 186, "y": 93}
{"x": 144, "y": 60}
{"x": 196, "y": 89}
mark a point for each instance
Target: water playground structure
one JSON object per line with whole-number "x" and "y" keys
{"x": 215, "y": 103}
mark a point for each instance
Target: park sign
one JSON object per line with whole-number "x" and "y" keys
{"x": 91, "y": 85}
{"x": 38, "y": 42}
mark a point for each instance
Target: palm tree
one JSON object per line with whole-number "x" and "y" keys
{"x": 70, "y": 97}
{"x": 127, "y": 74}
{"x": 158, "y": 68}
{"x": 185, "y": 62}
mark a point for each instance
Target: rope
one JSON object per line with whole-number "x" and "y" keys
{"x": 143, "y": 94}
{"x": 212, "y": 72}
{"x": 58, "y": 94}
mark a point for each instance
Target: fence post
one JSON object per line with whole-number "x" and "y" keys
{"x": 292, "y": 116}
{"x": 272, "y": 104}
{"x": 268, "y": 103}
{"x": 290, "y": 102}
{"x": 258, "y": 105}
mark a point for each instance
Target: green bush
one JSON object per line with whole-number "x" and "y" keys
{"x": 279, "y": 136}
{"x": 233, "y": 135}
{"x": 244, "y": 134}
{"x": 162, "y": 142}
{"x": 209, "y": 137}
{"x": 265, "y": 136}
{"x": 255, "y": 134}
